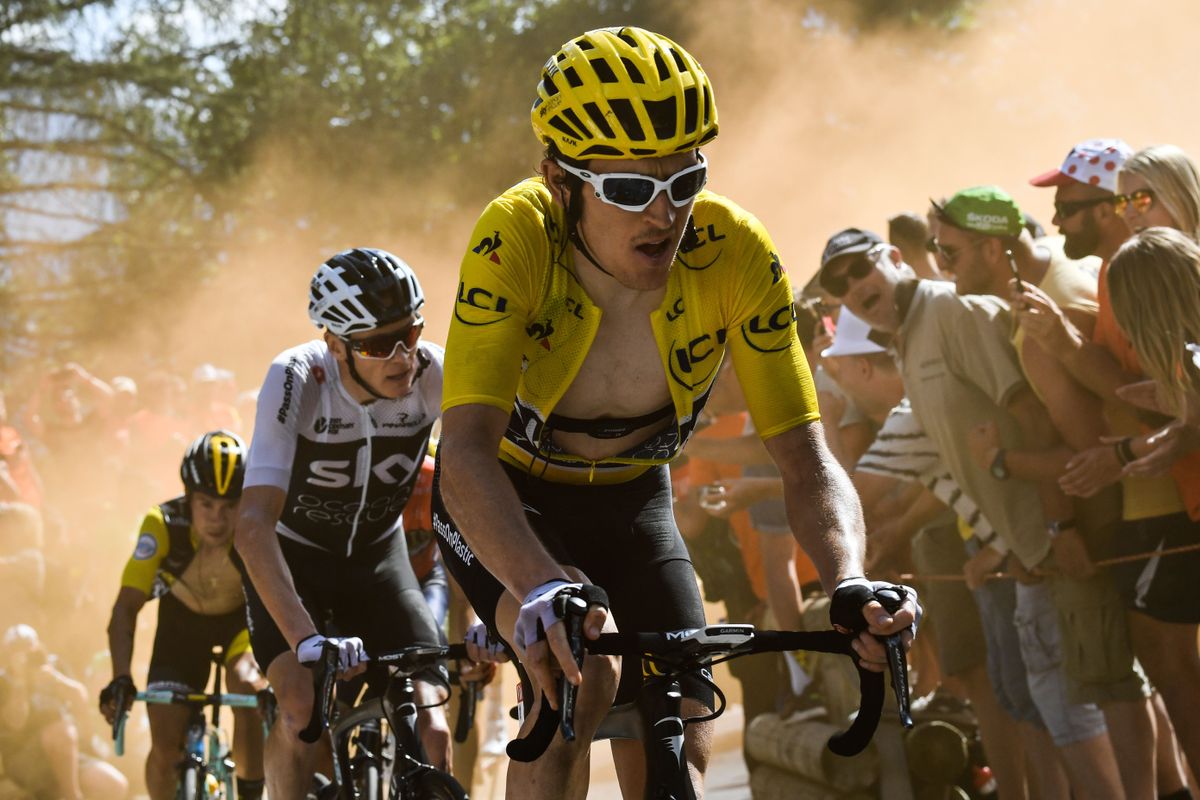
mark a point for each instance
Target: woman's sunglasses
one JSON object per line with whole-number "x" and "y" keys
{"x": 1140, "y": 199}
{"x": 384, "y": 346}
{"x": 633, "y": 192}
{"x": 859, "y": 268}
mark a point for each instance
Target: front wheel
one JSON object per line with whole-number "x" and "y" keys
{"x": 427, "y": 784}
{"x": 190, "y": 783}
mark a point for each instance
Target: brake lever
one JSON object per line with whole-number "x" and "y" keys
{"x": 571, "y": 609}
{"x": 897, "y": 659}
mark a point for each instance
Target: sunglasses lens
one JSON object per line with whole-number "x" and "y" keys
{"x": 685, "y": 187}
{"x": 1142, "y": 200}
{"x": 384, "y": 346}
{"x": 628, "y": 191}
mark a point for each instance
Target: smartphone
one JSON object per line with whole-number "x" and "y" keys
{"x": 827, "y": 324}
{"x": 712, "y": 497}
{"x": 1012, "y": 266}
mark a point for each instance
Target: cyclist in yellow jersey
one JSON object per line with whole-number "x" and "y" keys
{"x": 595, "y": 304}
{"x": 182, "y": 559}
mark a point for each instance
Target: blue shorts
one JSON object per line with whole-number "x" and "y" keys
{"x": 997, "y": 602}
{"x": 1036, "y": 622}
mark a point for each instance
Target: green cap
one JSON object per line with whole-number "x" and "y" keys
{"x": 983, "y": 209}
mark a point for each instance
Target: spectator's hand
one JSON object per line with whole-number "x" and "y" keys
{"x": 822, "y": 338}
{"x": 1156, "y": 452}
{"x": 1144, "y": 395}
{"x": 983, "y": 440}
{"x": 980, "y": 565}
{"x": 1043, "y": 320}
{"x": 735, "y": 494}
{"x": 1071, "y": 555}
{"x": 1091, "y": 470}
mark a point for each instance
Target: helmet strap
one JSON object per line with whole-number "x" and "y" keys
{"x": 358, "y": 378}
{"x": 573, "y": 216}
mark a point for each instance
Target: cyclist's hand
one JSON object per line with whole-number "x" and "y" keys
{"x": 480, "y": 672}
{"x": 352, "y": 657}
{"x": 482, "y": 647}
{"x": 109, "y": 695}
{"x": 855, "y": 609}
{"x": 541, "y": 637}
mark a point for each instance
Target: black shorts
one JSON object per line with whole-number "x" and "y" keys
{"x": 185, "y": 640}
{"x": 1162, "y": 587}
{"x": 372, "y": 595}
{"x": 622, "y": 536}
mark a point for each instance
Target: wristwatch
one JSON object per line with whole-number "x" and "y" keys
{"x": 998, "y": 468}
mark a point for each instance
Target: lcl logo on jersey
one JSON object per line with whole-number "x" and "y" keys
{"x": 698, "y": 238}
{"x": 776, "y": 269}
{"x": 692, "y": 359}
{"x": 477, "y": 297}
{"x": 488, "y": 247}
{"x": 763, "y": 331}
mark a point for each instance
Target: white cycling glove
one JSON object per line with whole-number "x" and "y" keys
{"x": 350, "y": 650}
{"x": 539, "y": 607}
{"x": 489, "y": 648}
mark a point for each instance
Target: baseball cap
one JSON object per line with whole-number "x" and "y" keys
{"x": 1095, "y": 162}
{"x": 847, "y": 242}
{"x": 850, "y": 337}
{"x": 983, "y": 209}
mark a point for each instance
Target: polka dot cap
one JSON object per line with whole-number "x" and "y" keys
{"x": 1095, "y": 162}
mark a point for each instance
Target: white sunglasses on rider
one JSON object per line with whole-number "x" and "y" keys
{"x": 635, "y": 192}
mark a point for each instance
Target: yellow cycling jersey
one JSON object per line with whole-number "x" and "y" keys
{"x": 523, "y": 325}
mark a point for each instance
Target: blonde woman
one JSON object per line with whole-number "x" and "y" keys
{"x": 1160, "y": 185}
{"x": 1154, "y": 289}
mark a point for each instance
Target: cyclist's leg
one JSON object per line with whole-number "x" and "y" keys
{"x": 381, "y": 601}
{"x": 639, "y": 554}
{"x": 243, "y": 676}
{"x": 288, "y": 762}
{"x": 180, "y": 660}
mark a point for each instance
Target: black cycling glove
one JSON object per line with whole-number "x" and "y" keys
{"x": 845, "y": 607}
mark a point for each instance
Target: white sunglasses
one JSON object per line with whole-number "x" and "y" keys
{"x": 634, "y": 192}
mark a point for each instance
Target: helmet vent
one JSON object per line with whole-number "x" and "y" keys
{"x": 557, "y": 122}
{"x": 549, "y": 86}
{"x": 598, "y": 119}
{"x": 635, "y": 74}
{"x": 584, "y": 44}
{"x": 574, "y": 119}
{"x": 627, "y": 39}
{"x": 678, "y": 61}
{"x": 628, "y": 118}
{"x": 601, "y": 151}
{"x": 603, "y": 70}
{"x": 662, "y": 116}
{"x": 663, "y": 72}
{"x": 573, "y": 77}
{"x": 689, "y": 108}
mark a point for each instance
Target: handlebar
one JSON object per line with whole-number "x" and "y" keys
{"x": 687, "y": 650}
{"x": 125, "y": 699}
{"x": 402, "y": 662}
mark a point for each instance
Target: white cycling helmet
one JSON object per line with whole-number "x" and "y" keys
{"x": 362, "y": 289}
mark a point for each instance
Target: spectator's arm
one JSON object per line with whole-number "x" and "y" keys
{"x": 745, "y": 449}
{"x": 8, "y": 488}
{"x": 96, "y": 392}
{"x": 779, "y": 570}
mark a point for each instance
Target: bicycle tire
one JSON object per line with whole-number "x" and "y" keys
{"x": 428, "y": 784}
{"x": 189, "y": 784}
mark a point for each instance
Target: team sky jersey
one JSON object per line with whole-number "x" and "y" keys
{"x": 347, "y": 468}
{"x": 523, "y": 325}
{"x": 165, "y": 546}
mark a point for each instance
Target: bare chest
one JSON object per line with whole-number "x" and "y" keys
{"x": 210, "y": 584}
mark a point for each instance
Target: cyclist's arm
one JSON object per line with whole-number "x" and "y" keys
{"x": 822, "y": 507}
{"x": 258, "y": 545}
{"x": 121, "y": 627}
{"x": 484, "y": 503}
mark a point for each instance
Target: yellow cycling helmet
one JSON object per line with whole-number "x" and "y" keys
{"x": 623, "y": 93}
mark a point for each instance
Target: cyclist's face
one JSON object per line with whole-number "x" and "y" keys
{"x": 213, "y": 518}
{"x": 391, "y": 377}
{"x": 637, "y": 247}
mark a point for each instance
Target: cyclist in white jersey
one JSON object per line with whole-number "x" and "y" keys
{"x": 340, "y": 434}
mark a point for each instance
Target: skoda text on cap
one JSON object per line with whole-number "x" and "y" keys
{"x": 983, "y": 209}
{"x": 1095, "y": 162}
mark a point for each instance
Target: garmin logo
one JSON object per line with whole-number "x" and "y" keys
{"x": 453, "y": 539}
{"x": 289, "y": 385}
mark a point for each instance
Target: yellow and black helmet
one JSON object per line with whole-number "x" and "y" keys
{"x": 215, "y": 464}
{"x": 623, "y": 93}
